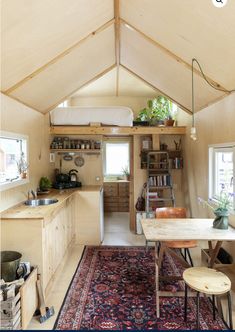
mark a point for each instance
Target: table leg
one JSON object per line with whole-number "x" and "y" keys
{"x": 215, "y": 252}
{"x": 157, "y": 281}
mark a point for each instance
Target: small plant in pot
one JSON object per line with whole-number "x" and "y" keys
{"x": 44, "y": 184}
{"x": 126, "y": 173}
{"x": 22, "y": 166}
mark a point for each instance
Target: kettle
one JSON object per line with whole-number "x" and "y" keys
{"x": 73, "y": 176}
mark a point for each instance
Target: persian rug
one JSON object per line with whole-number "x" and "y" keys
{"x": 113, "y": 288}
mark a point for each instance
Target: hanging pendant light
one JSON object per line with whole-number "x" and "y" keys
{"x": 193, "y": 131}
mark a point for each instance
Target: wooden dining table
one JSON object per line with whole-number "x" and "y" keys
{"x": 162, "y": 230}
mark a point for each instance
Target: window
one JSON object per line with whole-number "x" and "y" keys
{"x": 222, "y": 170}
{"x": 64, "y": 104}
{"x": 13, "y": 160}
{"x": 116, "y": 157}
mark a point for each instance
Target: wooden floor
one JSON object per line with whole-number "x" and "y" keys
{"x": 116, "y": 233}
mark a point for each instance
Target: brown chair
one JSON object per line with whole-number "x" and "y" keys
{"x": 174, "y": 213}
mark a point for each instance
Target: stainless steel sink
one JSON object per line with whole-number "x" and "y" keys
{"x": 38, "y": 202}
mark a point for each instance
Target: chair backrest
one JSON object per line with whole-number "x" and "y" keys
{"x": 171, "y": 212}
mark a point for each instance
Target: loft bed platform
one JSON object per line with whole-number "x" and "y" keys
{"x": 112, "y": 120}
{"x": 116, "y": 130}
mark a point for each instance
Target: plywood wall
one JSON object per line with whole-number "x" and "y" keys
{"x": 17, "y": 118}
{"x": 215, "y": 124}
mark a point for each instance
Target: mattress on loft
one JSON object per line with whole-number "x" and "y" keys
{"x": 83, "y": 116}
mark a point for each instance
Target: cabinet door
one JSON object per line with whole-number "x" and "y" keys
{"x": 49, "y": 252}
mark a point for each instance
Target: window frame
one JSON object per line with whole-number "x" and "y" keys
{"x": 213, "y": 148}
{"x": 17, "y": 182}
{"x": 115, "y": 141}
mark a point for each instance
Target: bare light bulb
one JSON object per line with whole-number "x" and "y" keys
{"x": 193, "y": 134}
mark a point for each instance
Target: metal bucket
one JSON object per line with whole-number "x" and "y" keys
{"x": 10, "y": 261}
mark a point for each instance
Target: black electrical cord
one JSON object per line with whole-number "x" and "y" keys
{"x": 206, "y": 79}
{"x": 208, "y": 82}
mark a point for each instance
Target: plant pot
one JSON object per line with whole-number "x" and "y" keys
{"x": 221, "y": 220}
{"x": 157, "y": 122}
{"x": 169, "y": 122}
{"x": 23, "y": 175}
{"x": 141, "y": 123}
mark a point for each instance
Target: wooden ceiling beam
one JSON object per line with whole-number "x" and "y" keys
{"x": 157, "y": 89}
{"x": 117, "y": 41}
{"x": 169, "y": 53}
{"x": 81, "y": 86}
{"x": 59, "y": 56}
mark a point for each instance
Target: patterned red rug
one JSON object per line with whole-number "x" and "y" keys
{"x": 114, "y": 289}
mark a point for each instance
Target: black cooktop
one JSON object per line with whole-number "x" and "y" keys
{"x": 67, "y": 185}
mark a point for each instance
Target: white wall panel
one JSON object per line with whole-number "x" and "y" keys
{"x": 161, "y": 70}
{"x": 36, "y": 31}
{"x": 190, "y": 29}
{"x": 70, "y": 72}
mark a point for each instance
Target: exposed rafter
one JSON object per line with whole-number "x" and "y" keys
{"x": 117, "y": 41}
{"x": 157, "y": 89}
{"x": 59, "y": 56}
{"x": 168, "y": 52}
{"x": 82, "y": 86}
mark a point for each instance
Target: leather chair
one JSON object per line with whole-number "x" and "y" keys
{"x": 174, "y": 213}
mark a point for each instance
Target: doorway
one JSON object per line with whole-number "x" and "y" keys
{"x": 117, "y": 177}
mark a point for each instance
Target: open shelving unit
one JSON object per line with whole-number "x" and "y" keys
{"x": 98, "y": 151}
{"x": 158, "y": 179}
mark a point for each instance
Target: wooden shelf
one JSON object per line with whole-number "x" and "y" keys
{"x": 76, "y": 150}
{"x": 88, "y": 130}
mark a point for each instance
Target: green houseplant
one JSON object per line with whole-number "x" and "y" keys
{"x": 220, "y": 207}
{"x": 126, "y": 173}
{"x": 44, "y": 184}
{"x": 157, "y": 112}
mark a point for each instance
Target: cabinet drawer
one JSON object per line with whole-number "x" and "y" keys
{"x": 111, "y": 189}
{"x": 123, "y": 200}
{"x": 123, "y": 189}
{"x": 110, "y": 199}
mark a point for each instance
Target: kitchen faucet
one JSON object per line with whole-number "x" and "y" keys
{"x": 33, "y": 192}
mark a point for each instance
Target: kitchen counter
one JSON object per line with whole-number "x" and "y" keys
{"x": 21, "y": 211}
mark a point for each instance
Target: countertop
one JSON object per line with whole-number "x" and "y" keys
{"x": 21, "y": 211}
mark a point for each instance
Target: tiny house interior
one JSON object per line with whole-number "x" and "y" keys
{"x": 117, "y": 164}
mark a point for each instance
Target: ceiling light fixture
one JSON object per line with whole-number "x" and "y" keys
{"x": 193, "y": 131}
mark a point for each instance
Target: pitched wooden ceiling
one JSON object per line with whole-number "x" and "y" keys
{"x": 53, "y": 49}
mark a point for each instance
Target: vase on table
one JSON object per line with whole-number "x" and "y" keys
{"x": 221, "y": 219}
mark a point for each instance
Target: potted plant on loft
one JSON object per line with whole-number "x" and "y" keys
{"x": 159, "y": 111}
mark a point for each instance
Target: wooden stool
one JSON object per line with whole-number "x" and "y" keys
{"x": 207, "y": 281}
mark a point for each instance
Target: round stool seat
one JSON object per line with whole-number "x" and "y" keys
{"x": 208, "y": 281}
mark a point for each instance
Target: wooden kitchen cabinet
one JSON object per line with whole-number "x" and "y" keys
{"x": 42, "y": 242}
{"x": 58, "y": 234}
{"x": 89, "y": 226}
{"x": 116, "y": 196}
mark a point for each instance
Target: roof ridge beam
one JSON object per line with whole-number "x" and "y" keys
{"x": 59, "y": 56}
{"x": 117, "y": 40}
{"x": 156, "y": 88}
{"x": 169, "y": 53}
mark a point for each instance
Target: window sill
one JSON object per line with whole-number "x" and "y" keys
{"x": 13, "y": 184}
